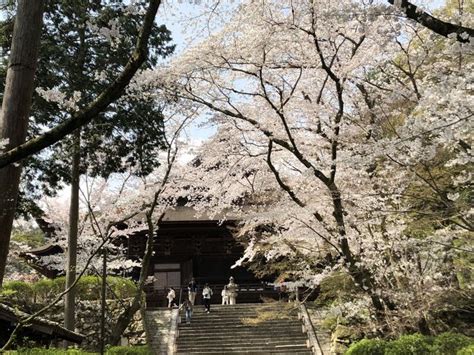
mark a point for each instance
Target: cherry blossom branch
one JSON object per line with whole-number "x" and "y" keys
{"x": 413, "y": 12}
{"x": 25, "y": 321}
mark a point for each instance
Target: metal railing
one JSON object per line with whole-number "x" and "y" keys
{"x": 247, "y": 292}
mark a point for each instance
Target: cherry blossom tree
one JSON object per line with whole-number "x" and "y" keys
{"x": 113, "y": 210}
{"x": 330, "y": 116}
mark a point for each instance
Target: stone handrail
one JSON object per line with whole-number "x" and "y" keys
{"x": 308, "y": 324}
{"x": 173, "y": 334}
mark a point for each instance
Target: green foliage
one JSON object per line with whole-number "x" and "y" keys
{"x": 129, "y": 350}
{"x": 468, "y": 350}
{"x": 45, "y": 289}
{"x": 449, "y": 343}
{"x": 128, "y": 132}
{"x": 337, "y": 287}
{"x": 88, "y": 288}
{"x": 31, "y": 237}
{"x": 415, "y": 344}
{"x": 115, "y": 350}
{"x": 367, "y": 347}
{"x": 50, "y": 351}
{"x": 18, "y": 293}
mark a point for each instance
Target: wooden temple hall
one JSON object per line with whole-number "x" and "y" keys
{"x": 203, "y": 248}
{"x": 186, "y": 247}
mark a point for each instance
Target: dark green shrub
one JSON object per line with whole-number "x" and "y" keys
{"x": 449, "y": 343}
{"x": 468, "y": 350}
{"x": 44, "y": 290}
{"x": 88, "y": 288}
{"x": 129, "y": 350}
{"x": 50, "y": 351}
{"x": 18, "y": 293}
{"x": 415, "y": 344}
{"x": 367, "y": 347}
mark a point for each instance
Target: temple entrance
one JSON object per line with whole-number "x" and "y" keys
{"x": 167, "y": 275}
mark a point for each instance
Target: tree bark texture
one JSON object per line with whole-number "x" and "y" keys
{"x": 103, "y": 301}
{"x": 16, "y": 109}
{"x": 69, "y": 304}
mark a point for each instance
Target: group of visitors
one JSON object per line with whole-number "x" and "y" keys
{"x": 229, "y": 296}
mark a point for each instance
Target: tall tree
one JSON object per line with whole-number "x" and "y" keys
{"x": 16, "y": 109}
{"x": 330, "y": 138}
{"x": 94, "y": 105}
{"x": 90, "y": 47}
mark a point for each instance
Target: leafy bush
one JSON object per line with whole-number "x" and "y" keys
{"x": 367, "y": 347}
{"x": 468, "y": 350}
{"x": 129, "y": 350}
{"x": 50, "y": 351}
{"x": 414, "y": 344}
{"x": 88, "y": 288}
{"x": 45, "y": 289}
{"x": 17, "y": 292}
{"x": 449, "y": 343}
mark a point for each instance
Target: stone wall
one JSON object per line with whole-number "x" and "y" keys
{"x": 88, "y": 315}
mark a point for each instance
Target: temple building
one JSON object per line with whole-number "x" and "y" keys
{"x": 185, "y": 246}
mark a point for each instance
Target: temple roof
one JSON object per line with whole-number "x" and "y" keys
{"x": 38, "y": 324}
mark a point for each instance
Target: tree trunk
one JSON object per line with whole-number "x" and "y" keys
{"x": 69, "y": 304}
{"x": 127, "y": 315}
{"x": 103, "y": 301}
{"x": 16, "y": 105}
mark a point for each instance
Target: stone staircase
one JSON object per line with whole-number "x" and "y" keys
{"x": 266, "y": 328}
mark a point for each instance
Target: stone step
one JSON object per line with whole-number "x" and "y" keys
{"x": 248, "y": 342}
{"x": 214, "y": 307}
{"x": 288, "y": 349}
{"x": 250, "y": 351}
{"x": 223, "y": 331}
{"x": 237, "y": 328}
{"x": 242, "y": 337}
{"x": 193, "y": 333}
{"x": 238, "y": 322}
{"x": 243, "y": 344}
{"x": 237, "y": 312}
{"x": 230, "y": 341}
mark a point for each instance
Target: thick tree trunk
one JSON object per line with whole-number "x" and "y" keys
{"x": 69, "y": 304}
{"x": 16, "y": 109}
{"x": 361, "y": 276}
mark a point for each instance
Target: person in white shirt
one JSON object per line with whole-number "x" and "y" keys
{"x": 171, "y": 296}
{"x": 192, "y": 289}
{"x": 232, "y": 291}
{"x": 225, "y": 296}
{"x": 206, "y": 296}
